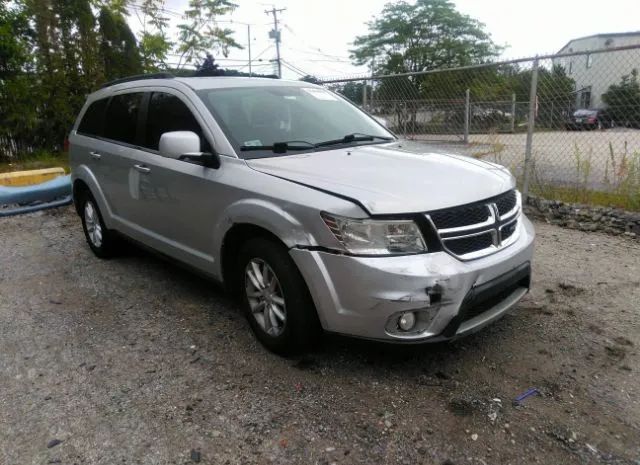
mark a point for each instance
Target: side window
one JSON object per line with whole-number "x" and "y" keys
{"x": 93, "y": 120}
{"x": 168, "y": 113}
{"x": 122, "y": 117}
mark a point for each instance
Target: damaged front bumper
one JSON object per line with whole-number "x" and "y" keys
{"x": 365, "y": 296}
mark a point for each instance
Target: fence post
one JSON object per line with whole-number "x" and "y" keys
{"x": 371, "y": 109}
{"x": 364, "y": 94}
{"x": 513, "y": 113}
{"x": 531, "y": 123}
{"x": 467, "y": 109}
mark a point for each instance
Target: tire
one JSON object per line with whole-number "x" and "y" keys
{"x": 102, "y": 241}
{"x": 281, "y": 315}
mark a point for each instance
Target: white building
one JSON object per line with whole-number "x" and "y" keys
{"x": 595, "y": 72}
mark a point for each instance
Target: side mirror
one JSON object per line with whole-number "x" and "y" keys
{"x": 176, "y": 143}
{"x": 185, "y": 145}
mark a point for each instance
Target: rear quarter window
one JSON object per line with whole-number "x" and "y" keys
{"x": 92, "y": 123}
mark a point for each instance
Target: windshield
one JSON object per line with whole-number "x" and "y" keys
{"x": 264, "y": 116}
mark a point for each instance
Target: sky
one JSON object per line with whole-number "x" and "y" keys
{"x": 317, "y": 35}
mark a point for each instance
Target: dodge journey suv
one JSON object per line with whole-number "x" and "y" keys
{"x": 303, "y": 205}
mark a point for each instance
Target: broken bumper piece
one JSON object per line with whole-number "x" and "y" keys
{"x": 448, "y": 298}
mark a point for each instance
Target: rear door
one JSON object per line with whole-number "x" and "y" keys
{"x": 86, "y": 143}
{"x": 119, "y": 155}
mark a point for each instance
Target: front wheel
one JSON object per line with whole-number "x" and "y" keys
{"x": 275, "y": 298}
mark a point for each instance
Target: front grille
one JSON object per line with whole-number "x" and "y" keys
{"x": 508, "y": 230}
{"x": 506, "y": 202}
{"x": 477, "y": 227}
{"x": 460, "y": 216}
{"x": 465, "y": 245}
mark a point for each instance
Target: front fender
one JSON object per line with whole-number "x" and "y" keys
{"x": 266, "y": 215}
{"x": 84, "y": 174}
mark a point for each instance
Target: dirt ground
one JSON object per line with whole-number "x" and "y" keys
{"x": 136, "y": 361}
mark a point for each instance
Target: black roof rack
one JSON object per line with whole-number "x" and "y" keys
{"x": 138, "y": 77}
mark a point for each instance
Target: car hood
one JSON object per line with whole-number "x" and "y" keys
{"x": 400, "y": 177}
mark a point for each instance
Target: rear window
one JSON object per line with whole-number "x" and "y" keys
{"x": 122, "y": 117}
{"x": 93, "y": 120}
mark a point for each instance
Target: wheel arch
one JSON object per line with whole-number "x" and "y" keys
{"x": 235, "y": 237}
{"x": 255, "y": 218}
{"x": 83, "y": 179}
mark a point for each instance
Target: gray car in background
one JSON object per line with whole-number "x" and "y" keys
{"x": 303, "y": 205}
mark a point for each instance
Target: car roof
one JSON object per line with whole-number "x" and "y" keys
{"x": 221, "y": 82}
{"x": 196, "y": 83}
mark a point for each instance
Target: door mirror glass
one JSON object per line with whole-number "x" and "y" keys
{"x": 177, "y": 143}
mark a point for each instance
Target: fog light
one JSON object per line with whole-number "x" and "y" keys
{"x": 407, "y": 321}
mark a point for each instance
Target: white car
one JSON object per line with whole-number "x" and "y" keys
{"x": 309, "y": 209}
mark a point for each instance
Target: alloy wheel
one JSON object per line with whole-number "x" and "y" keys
{"x": 265, "y": 297}
{"x": 92, "y": 222}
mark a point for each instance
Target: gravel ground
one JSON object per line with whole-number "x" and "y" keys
{"x": 134, "y": 360}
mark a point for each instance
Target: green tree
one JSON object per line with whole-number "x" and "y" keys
{"x": 201, "y": 34}
{"x": 623, "y": 100}
{"x": 424, "y": 35}
{"x": 421, "y": 36}
{"x": 63, "y": 64}
{"x": 18, "y": 117}
{"x": 354, "y": 91}
{"x": 154, "y": 42}
{"x": 118, "y": 46}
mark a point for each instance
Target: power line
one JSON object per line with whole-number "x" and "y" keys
{"x": 257, "y": 58}
{"x": 316, "y": 50}
{"x": 291, "y": 69}
{"x": 295, "y": 69}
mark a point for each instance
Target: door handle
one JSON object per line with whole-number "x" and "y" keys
{"x": 95, "y": 155}
{"x": 142, "y": 168}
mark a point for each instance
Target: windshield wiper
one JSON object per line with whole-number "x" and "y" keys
{"x": 280, "y": 147}
{"x": 355, "y": 137}
{"x": 283, "y": 147}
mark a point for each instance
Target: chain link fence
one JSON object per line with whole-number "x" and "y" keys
{"x": 567, "y": 125}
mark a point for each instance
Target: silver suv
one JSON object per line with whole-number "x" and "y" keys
{"x": 304, "y": 205}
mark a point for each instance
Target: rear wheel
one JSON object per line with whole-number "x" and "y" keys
{"x": 101, "y": 240}
{"x": 275, "y": 298}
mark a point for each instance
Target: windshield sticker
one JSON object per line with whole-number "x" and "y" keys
{"x": 320, "y": 94}
{"x": 253, "y": 143}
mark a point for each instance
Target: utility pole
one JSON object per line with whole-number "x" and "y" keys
{"x": 275, "y": 34}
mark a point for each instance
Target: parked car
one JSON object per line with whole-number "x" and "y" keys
{"x": 309, "y": 209}
{"x": 590, "y": 119}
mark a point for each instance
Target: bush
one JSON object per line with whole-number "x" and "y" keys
{"x": 623, "y": 100}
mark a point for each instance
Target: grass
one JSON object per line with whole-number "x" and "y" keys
{"x": 36, "y": 161}
{"x": 621, "y": 178}
{"x": 569, "y": 194}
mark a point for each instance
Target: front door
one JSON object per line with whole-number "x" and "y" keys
{"x": 177, "y": 201}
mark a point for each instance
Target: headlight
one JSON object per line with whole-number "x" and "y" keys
{"x": 376, "y": 237}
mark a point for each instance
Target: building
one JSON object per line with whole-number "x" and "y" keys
{"x": 593, "y": 73}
